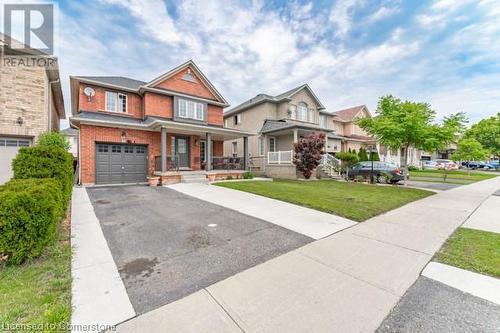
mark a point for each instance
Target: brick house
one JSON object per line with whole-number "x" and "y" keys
{"x": 31, "y": 101}
{"x": 171, "y": 126}
{"x": 282, "y": 119}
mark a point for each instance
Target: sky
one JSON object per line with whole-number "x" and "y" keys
{"x": 351, "y": 52}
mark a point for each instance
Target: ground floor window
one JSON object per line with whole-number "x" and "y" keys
{"x": 203, "y": 150}
{"x": 261, "y": 146}
{"x": 235, "y": 149}
{"x": 272, "y": 144}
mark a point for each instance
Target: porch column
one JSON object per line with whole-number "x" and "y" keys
{"x": 295, "y": 135}
{"x": 163, "y": 149}
{"x": 208, "y": 150}
{"x": 245, "y": 153}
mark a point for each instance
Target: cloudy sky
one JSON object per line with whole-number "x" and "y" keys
{"x": 351, "y": 52}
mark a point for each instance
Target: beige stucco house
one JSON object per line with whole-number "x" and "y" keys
{"x": 282, "y": 119}
{"x": 31, "y": 102}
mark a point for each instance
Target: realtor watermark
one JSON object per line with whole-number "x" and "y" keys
{"x": 29, "y": 37}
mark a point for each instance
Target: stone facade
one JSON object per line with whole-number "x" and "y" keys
{"x": 24, "y": 94}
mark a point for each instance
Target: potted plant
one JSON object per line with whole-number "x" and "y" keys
{"x": 153, "y": 180}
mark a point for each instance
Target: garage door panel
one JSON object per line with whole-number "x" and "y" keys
{"x": 123, "y": 163}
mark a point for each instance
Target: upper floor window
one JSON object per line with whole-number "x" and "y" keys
{"x": 302, "y": 111}
{"x": 116, "y": 102}
{"x": 237, "y": 119}
{"x": 322, "y": 121}
{"x": 190, "y": 109}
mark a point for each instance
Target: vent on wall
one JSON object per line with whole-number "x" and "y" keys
{"x": 188, "y": 76}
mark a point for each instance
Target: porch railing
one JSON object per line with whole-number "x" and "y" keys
{"x": 228, "y": 163}
{"x": 280, "y": 157}
{"x": 172, "y": 163}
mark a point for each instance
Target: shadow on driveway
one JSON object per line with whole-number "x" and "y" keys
{"x": 168, "y": 245}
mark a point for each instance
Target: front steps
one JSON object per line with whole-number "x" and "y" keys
{"x": 194, "y": 177}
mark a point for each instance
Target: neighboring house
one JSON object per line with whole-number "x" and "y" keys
{"x": 31, "y": 103}
{"x": 169, "y": 126}
{"x": 72, "y": 135}
{"x": 282, "y": 120}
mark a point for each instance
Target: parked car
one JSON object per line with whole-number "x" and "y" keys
{"x": 446, "y": 164}
{"x": 383, "y": 172}
{"x": 478, "y": 165}
{"x": 430, "y": 165}
{"x": 495, "y": 163}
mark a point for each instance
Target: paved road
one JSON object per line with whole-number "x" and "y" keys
{"x": 168, "y": 245}
{"x": 432, "y": 307}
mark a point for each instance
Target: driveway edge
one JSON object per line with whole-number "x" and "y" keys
{"x": 99, "y": 297}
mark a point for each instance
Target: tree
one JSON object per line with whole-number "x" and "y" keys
{"x": 362, "y": 155}
{"x": 469, "y": 149}
{"x": 54, "y": 139}
{"x": 348, "y": 159}
{"x": 403, "y": 124}
{"x": 307, "y": 153}
{"x": 487, "y": 132}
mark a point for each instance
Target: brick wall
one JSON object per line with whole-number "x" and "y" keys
{"x": 98, "y": 102}
{"x": 92, "y": 134}
{"x": 178, "y": 83}
{"x": 215, "y": 115}
{"x": 24, "y": 93}
{"x": 158, "y": 105}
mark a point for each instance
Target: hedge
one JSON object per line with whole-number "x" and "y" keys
{"x": 46, "y": 162}
{"x": 30, "y": 210}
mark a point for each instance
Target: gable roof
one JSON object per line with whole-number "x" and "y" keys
{"x": 261, "y": 98}
{"x": 272, "y": 125}
{"x": 199, "y": 73}
{"x": 348, "y": 115}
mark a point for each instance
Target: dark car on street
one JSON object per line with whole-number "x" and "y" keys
{"x": 383, "y": 172}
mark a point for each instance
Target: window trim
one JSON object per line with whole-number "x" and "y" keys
{"x": 302, "y": 106}
{"x": 117, "y": 103}
{"x": 190, "y": 103}
{"x": 262, "y": 146}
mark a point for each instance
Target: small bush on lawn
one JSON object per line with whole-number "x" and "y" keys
{"x": 248, "y": 175}
{"x": 54, "y": 140}
{"x": 30, "y": 210}
{"x": 412, "y": 168}
{"x": 46, "y": 162}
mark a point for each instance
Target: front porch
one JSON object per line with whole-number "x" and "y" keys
{"x": 195, "y": 153}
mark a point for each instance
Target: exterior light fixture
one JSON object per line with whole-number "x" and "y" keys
{"x": 20, "y": 121}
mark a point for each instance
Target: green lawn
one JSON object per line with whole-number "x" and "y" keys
{"x": 474, "y": 250}
{"x": 458, "y": 177}
{"x": 39, "y": 291}
{"x": 354, "y": 201}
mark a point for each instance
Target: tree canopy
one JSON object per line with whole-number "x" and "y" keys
{"x": 487, "y": 132}
{"x": 469, "y": 149}
{"x": 402, "y": 124}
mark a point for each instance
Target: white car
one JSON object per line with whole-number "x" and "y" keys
{"x": 430, "y": 165}
{"x": 446, "y": 164}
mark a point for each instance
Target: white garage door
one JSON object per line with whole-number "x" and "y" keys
{"x": 8, "y": 150}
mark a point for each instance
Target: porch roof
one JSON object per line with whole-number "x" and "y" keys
{"x": 155, "y": 124}
{"x": 273, "y": 126}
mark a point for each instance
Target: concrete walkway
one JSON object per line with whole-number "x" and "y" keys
{"x": 347, "y": 282}
{"x": 487, "y": 216}
{"x": 306, "y": 221}
{"x": 99, "y": 297}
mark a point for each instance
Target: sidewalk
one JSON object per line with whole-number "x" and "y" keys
{"x": 347, "y": 282}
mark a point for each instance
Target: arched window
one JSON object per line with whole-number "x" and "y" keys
{"x": 302, "y": 111}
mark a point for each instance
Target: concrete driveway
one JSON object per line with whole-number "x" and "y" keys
{"x": 168, "y": 245}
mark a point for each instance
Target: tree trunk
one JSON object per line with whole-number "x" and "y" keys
{"x": 405, "y": 164}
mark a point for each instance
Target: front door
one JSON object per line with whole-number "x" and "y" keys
{"x": 182, "y": 151}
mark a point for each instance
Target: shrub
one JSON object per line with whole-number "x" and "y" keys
{"x": 362, "y": 155}
{"x": 308, "y": 152}
{"x": 46, "y": 162}
{"x": 53, "y": 139}
{"x": 229, "y": 178}
{"x": 248, "y": 175}
{"x": 375, "y": 156}
{"x": 412, "y": 168}
{"x": 30, "y": 210}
